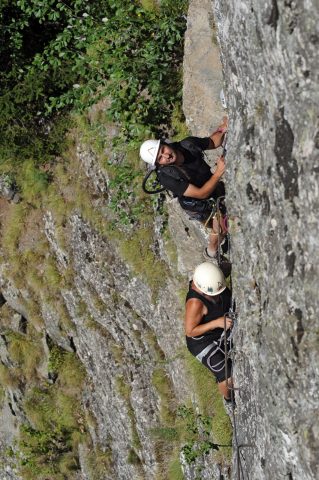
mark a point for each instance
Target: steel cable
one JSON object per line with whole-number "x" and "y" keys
{"x": 241, "y": 471}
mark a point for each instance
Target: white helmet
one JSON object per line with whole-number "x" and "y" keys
{"x": 149, "y": 150}
{"x": 209, "y": 279}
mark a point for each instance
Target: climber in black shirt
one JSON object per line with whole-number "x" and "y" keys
{"x": 182, "y": 169}
{"x": 207, "y": 301}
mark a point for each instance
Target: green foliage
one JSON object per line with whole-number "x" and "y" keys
{"x": 167, "y": 434}
{"x": 123, "y": 388}
{"x": 210, "y": 402}
{"x": 44, "y": 453}
{"x": 13, "y": 227}
{"x": 32, "y": 182}
{"x": 56, "y": 57}
{"x": 179, "y": 126}
{"x": 67, "y": 367}
{"x": 198, "y": 429}
{"x": 192, "y": 432}
{"x": 152, "y": 340}
{"x": 150, "y": 4}
{"x": 56, "y": 359}
{"x": 69, "y": 463}
{"x": 72, "y": 373}
{"x": 52, "y": 275}
{"x": 125, "y": 189}
{"x": 47, "y": 409}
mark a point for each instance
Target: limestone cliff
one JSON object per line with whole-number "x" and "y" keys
{"x": 270, "y": 62}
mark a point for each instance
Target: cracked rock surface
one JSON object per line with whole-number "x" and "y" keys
{"x": 270, "y": 62}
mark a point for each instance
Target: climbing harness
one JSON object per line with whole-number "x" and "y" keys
{"x": 195, "y": 208}
{"x": 212, "y": 349}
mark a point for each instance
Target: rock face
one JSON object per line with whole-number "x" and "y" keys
{"x": 8, "y": 190}
{"x": 270, "y": 62}
{"x": 125, "y": 335}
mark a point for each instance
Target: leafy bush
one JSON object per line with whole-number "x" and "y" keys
{"x": 56, "y": 57}
{"x": 198, "y": 429}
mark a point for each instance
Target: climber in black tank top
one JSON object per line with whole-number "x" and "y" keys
{"x": 207, "y": 301}
{"x": 216, "y": 308}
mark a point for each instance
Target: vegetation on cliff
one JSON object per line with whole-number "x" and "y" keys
{"x": 70, "y": 72}
{"x": 57, "y": 56}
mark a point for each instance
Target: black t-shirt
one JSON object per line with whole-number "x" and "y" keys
{"x": 193, "y": 171}
{"x": 217, "y": 307}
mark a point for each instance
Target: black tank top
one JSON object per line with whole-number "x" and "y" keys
{"x": 215, "y": 308}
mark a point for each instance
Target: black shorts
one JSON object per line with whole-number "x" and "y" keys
{"x": 213, "y": 357}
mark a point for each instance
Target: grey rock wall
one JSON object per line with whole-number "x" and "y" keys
{"x": 112, "y": 311}
{"x": 8, "y": 190}
{"x": 270, "y": 62}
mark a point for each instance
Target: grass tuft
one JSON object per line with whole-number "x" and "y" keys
{"x": 9, "y": 377}
{"x": 138, "y": 252}
{"x": 99, "y": 463}
{"x": 13, "y": 228}
{"x": 179, "y": 124}
{"x": 27, "y": 353}
{"x": 161, "y": 382}
{"x": 175, "y": 471}
{"x": 33, "y": 182}
{"x": 211, "y": 403}
{"x": 48, "y": 445}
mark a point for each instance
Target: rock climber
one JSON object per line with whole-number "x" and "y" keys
{"x": 181, "y": 168}
{"x": 207, "y": 301}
